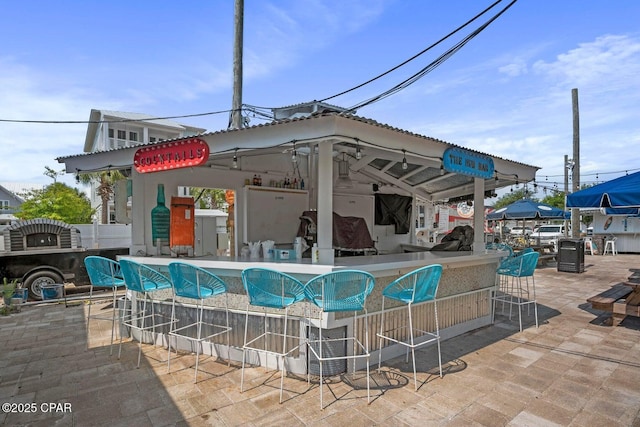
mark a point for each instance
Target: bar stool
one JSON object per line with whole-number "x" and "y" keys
{"x": 141, "y": 280}
{"x": 517, "y": 270}
{"x": 275, "y": 290}
{"x": 610, "y": 245}
{"x": 195, "y": 283}
{"x": 104, "y": 273}
{"x": 416, "y": 287}
{"x": 340, "y": 291}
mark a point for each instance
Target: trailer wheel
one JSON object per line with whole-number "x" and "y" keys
{"x": 35, "y": 280}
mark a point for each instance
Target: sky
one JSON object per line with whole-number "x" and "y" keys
{"x": 507, "y": 92}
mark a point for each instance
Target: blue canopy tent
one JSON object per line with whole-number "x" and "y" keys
{"x": 623, "y": 192}
{"x": 527, "y": 209}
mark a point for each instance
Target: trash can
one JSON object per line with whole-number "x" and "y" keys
{"x": 571, "y": 255}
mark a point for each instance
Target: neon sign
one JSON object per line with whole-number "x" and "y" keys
{"x": 171, "y": 155}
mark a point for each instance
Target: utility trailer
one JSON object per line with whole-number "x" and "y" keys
{"x": 41, "y": 252}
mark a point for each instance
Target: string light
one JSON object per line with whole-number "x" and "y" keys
{"x": 294, "y": 155}
{"x": 234, "y": 164}
{"x": 405, "y": 165}
{"x": 358, "y": 153}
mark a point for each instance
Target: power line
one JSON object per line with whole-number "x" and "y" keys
{"x": 441, "y": 59}
{"x": 414, "y": 56}
{"x": 113, "y": 121}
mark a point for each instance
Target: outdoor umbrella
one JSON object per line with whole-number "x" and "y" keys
{"x": 623, "y": 192}
{"x": 527, "y": 209}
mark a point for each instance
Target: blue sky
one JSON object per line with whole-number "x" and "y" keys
{"x": 507, "y": 92}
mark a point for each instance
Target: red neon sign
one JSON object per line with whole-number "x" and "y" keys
{"x": 171, "y": 155}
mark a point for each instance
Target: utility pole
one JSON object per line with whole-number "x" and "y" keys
{"x": 236, "y": 103}
{"x": 236, "y": 108}
{"x": 575, "y": 212}
{"x": 566, "y": 192}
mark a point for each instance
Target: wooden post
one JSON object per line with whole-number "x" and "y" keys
{"x": 575, "y": 212}
{"x": 236, "y": 104}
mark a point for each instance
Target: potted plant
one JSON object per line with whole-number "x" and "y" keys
{"x": 8, "y": 290}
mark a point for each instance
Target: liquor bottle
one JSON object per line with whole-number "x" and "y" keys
{"x": 160, "y": 220}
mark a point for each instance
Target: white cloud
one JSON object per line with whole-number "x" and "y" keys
{"x": 514, "y": 69}
{"x": 611, "y": 61}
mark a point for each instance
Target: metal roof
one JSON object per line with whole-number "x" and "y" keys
{"x": 383, "y": 148}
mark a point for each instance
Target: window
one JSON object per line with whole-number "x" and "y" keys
{"x": 152, "y": 139}
{"x": 133, "y": 136}
{"x": 4, "y": 204}
{"x": 122, "y": 134}
{"x": 110, "y": 133}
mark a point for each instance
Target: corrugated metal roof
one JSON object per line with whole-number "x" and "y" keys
{"x": 311, "y": 117}
{"x": 423, "y": 174}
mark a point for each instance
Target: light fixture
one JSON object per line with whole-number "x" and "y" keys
{"x": 294, "y": 154}
{"x": 441, "y": 169}
{"x": 234, "y": 163}
{"x": 404, "y": 159}
{"x": 358, "y": 152}
{"x": 343, "y": 180}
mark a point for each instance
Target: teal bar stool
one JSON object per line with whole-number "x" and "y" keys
{"x": 518, "y": 287}
{"x": 418, "y": 286}
{"x": 271, "y": 289}
{"x": 143, "y": 281}
{"x": 104, "y": 273}
{"x": 196, "y": 284}
{"x": 340, "y": 291}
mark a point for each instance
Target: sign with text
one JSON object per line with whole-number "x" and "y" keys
{"x": 171, "y": 155}
{"x": 464, "y": 162}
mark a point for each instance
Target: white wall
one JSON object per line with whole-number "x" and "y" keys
{"x": 626, "y": 229}
{"x": 105, "y": 235}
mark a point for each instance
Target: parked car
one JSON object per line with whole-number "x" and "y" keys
{"x": 519, "y": 231}
{"x": 548, "y": 234}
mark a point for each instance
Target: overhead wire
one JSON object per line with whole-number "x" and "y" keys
{"x": 414, "y": 56}
{"x": 267, "y": 114}
{"x": 146, "y": 119}
{"x": 434, "y": 64}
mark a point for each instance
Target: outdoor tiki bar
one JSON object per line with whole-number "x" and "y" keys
{"x": 310, "y": 195}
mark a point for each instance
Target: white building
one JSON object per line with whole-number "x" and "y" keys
{"x": 110, "y": 130}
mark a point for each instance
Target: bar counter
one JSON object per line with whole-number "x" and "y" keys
{"x": 463, "y": 299}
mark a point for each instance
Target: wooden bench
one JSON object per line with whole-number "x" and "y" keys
{"x": 604, "y": 300}
{"x": 620, "y": 300}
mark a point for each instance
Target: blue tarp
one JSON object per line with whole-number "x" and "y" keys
{"x": 623, "y": 192}
{"x": 527, "y": 209}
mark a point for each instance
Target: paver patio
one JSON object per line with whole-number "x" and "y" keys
{"x": 573, "y": 370}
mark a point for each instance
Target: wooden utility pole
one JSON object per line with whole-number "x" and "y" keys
{"x": 236, "y": 109}
{"x": 236, "y": 103}
{"x": 566, "y": 192}
{"x": 575, "y": 212}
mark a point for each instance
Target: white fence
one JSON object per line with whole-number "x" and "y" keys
{"x": 96, "y": 236}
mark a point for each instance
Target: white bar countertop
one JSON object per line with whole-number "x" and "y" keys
{"x": 378, "y": 265}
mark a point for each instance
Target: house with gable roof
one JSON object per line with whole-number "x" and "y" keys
{"x": 108, "y": 130}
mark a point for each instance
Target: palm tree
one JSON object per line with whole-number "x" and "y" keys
{"x": 105, "y": 181}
